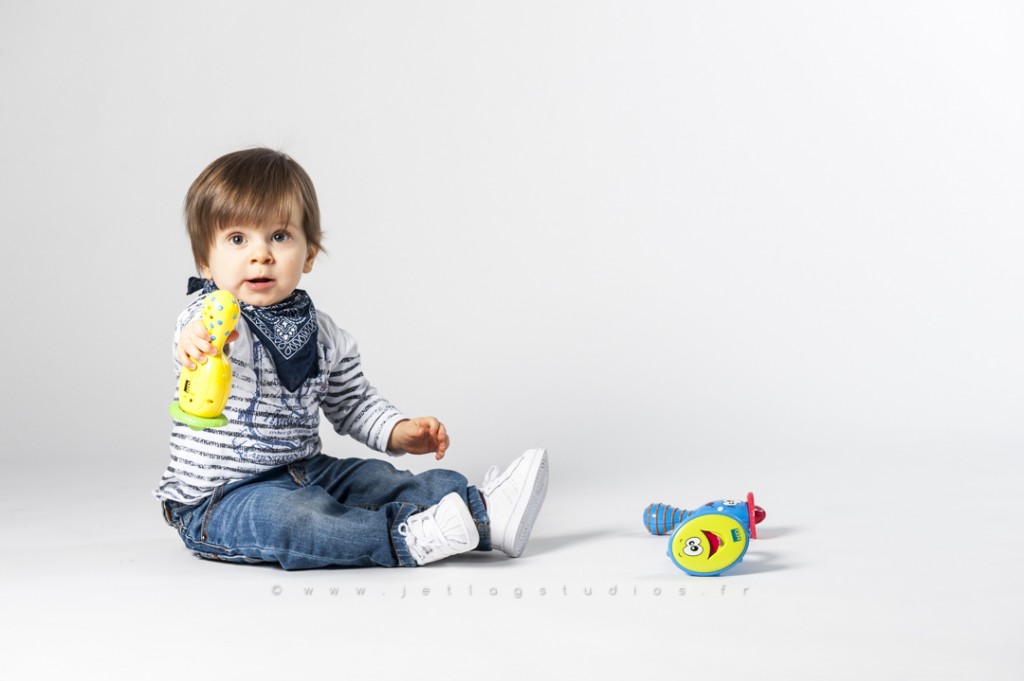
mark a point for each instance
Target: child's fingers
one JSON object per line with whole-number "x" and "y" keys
{"x": 187, "y": 353}
{"x": 426, "y": 434}
{"x": 199, "y": 349}
{"x": 194, "y": 345}
{"x": 432, "y": 425}
{"x": 186, "y": 361}
{"x": 200, "y": 336}
{"x": 197, "y": 329}
{"x": 442, "y": 442}
{"x": 191, "y": 358}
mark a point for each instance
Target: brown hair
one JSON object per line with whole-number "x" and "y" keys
{"x": 248, "y": 187}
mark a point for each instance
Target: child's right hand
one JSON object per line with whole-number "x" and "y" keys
{"x": 194, "y": 344}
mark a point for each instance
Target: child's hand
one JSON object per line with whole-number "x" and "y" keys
{"x": 420, "y": 436}
{"x": 194, "y": 344}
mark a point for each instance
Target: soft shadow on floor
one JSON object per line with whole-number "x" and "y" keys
{"x": 550, "y": 544}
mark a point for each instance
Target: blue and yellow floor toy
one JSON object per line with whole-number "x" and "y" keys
{"x": 707, "y": 540}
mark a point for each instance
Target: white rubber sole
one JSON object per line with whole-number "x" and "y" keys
{"x": 525, "y": 514}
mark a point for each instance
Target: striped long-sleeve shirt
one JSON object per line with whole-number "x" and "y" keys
{"x": 269, "y": 426}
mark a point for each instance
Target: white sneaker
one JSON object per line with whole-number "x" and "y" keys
{"x": 514, "y": 498}
{"x": 443, "y": 530}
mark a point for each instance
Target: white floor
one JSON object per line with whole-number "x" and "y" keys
{"x": 694, "y": 248}
{"x": 878, "y": 566}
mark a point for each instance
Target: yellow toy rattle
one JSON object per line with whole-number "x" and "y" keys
{"x": 203, "y": 391}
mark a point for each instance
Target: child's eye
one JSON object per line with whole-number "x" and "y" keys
{"x": 236, "y": 239}
{"x": 280, "y": 236}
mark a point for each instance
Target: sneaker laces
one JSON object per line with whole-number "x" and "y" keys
{"x": 422, "y": 534}
{"x": 490, "y": 479}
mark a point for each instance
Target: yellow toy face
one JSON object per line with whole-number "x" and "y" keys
{"x": 708, "y": 544}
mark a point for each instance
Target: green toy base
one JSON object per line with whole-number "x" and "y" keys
{"x": 195, "y": 422}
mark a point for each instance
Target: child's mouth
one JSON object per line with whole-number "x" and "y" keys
{"x": 259, "y": 284}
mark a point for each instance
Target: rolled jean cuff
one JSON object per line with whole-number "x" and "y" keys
{"x": 478, "y": 510}
{"x": 402, "y": 552}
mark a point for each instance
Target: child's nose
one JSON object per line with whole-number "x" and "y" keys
{"x": 261, "y": 252}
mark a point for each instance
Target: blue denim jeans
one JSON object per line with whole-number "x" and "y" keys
{"x": 319, "y": 512}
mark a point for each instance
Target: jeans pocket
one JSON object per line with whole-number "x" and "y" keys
{"x": 211, "y": 507}
{"x": 168, "y": 509}
{"x": 178, "y": 515}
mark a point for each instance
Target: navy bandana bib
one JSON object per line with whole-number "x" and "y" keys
{"x": 287, "y": 329}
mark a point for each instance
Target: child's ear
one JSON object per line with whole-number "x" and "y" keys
{"x": 307, "y": 267}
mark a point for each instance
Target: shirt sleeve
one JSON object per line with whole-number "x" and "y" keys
{"x": 193, "y": 311}
{"x": 352, "y": 405}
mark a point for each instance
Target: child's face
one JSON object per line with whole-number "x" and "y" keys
{"x": 261, "y": 265}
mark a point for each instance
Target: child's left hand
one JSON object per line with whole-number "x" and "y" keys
{"x": 420, "y": 436}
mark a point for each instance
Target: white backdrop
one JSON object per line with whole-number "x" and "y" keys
{"x": 690, "y": 247}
